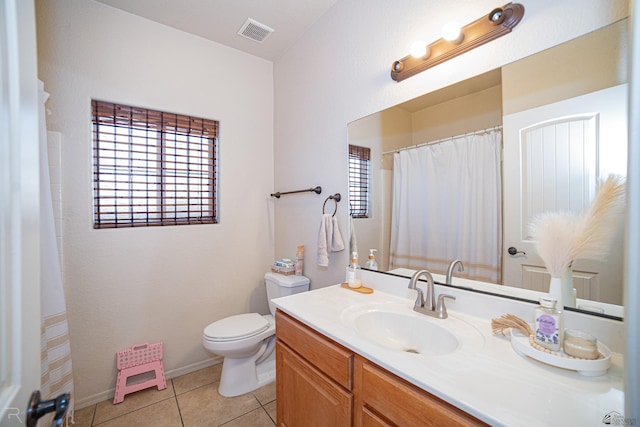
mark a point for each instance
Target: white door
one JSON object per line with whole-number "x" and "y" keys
{"x": 19, "y": 212}
{"x": 553, "y": 158}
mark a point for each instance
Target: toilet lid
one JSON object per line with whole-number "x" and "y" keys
{"x": 236, "y": 327}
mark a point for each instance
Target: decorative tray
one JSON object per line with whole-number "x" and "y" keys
{"x": 589, "y": 368}
{"x": 361, "y": 289}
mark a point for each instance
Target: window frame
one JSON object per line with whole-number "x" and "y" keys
{"x": 359, "y": 181}
{"x": 152, "y": 168}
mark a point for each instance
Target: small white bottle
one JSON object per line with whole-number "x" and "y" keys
{"x": 371, "y": 264}
{"x": 354, "y": 276}
{"x": 548, "y": 324}
{"x": 299, "y": 260}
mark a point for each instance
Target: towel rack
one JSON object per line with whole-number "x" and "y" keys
{"x": 336, "y": 198}
{"x": 316, "y": 190}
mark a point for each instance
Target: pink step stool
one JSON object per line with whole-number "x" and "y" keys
{"x": 139, "y": 359}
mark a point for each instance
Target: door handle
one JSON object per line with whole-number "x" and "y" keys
{"x": 513, "y": 251}
{"x": 38, "y": 408}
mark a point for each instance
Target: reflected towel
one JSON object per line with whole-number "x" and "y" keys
{"x": 337, "y": 244}
{"x": 353, "y": 242}
{"x": 329, "y": 239}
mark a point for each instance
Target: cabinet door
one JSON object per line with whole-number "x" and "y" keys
{"x": 306, "y": 397}
{"x": 397, "y": 403}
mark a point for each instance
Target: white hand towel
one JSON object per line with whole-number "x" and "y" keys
{"x": 353, "y": 242}
{"x": 325, "y": 236}
{"x": 337, "y": 244}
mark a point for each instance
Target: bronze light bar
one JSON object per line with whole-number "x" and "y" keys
{"x": 499, "y": 22}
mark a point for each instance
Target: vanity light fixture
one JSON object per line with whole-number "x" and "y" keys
{"x": 419, "y": 49}
{"x": 452, "y": 32}
{"x": 497, "y": 23}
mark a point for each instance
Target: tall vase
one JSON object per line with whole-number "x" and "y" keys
{"x": 555, "y": 291}
{"x": 568, "y": 291}
{"x": 561, "y": 288}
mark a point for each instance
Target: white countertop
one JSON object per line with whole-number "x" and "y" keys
{"x": 492, "y": 383}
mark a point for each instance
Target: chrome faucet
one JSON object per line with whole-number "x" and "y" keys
{"x": 428, "y": 306}
{"x": 450, "y": 270}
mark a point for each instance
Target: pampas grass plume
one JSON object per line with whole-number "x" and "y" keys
{"x": 553, "y": 235}
{"x": 600, "y": 222}
{"x": 561, "y": 238}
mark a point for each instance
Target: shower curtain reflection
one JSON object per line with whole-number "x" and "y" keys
{"x": 438, "y": 216}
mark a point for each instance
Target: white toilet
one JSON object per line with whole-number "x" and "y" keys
{"x": 247, "y": 341}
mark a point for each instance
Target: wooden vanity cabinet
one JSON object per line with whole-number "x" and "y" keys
{"x": 321, "y": 383}
{"x": 313, "y": 377}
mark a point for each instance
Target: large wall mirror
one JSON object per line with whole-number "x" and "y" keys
{"x": 552, "y": 126}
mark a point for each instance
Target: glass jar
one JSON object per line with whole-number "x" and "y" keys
{"x": 548, "y": 324}
{"x": 580, "y": 344}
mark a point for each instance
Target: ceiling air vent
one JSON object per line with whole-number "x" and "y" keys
{"x": 255, "y": 31}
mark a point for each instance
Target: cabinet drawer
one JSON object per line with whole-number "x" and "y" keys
{"x": 332, "y": 359}
{"x": 404, "y": 404}
{"x": 369, "y": 419}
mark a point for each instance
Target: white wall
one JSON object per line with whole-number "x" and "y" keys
{"x": 339, "y": 72}
{"x": 129, "y": 286}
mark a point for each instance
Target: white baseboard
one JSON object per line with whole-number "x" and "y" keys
{"x": 193, "y": 367}
{"x": 108, "y": 394}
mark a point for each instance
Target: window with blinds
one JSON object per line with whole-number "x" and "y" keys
{"x": 359, "y": 166}
{"x": 152, "y": 168}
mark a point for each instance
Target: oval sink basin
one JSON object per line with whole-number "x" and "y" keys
{"x": 405, "y": 332}
{"x": 401, "y": 329}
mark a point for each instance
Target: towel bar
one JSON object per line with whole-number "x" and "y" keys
{"x": 316, "y": 190}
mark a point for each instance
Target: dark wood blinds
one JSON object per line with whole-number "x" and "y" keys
{"x": 152, "y": 168}
{"x": 359, "y": 163}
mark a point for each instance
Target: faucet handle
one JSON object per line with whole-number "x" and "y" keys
{"x": 440, "y": 307}
{"x": 419, "y": 304}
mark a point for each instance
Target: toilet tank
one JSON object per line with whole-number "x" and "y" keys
{"x": 279, "y": 285}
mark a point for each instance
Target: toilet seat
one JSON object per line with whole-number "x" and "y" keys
{"x": 236, "y": 327}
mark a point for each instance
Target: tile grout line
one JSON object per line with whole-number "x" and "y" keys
{"x": 247, "y": 413}
{"x": 268, "y": 415}
{"x": 262, "y": 405}
{"x": 195, "y": 388}
{"x": 93, "y": 416}
{"x": 132, "y": 411}
{"x": 175, "y": 396}
{"x": 95, "y": 409}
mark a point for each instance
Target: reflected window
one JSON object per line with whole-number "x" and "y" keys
{"x": 152, "y": 168}
{"x": 359, "y": 167}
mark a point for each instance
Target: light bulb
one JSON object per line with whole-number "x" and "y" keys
{"x": 418, "y": 49}
{"x": 451, "y": 32}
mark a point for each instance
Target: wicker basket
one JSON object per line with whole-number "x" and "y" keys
{"x": 286, "y": 271}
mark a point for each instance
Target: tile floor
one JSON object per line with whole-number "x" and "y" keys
{"x": 191, "y": 400}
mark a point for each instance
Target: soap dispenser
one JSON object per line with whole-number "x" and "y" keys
{"x": 371, "y": 263}
{"x": 549, "y": 324}
{"x": 354, "y": 272}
